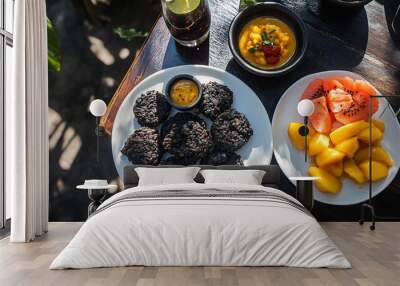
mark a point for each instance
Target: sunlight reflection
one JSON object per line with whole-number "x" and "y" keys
{"x": 60, "y": 134}
{"x": 119, "y": 183}
{"x": 123, "y": 53}
{"x": 108, "y": 81}
{"x": 60, "y": 185}
{"x": 56, "y": 128}
{"x": 96, "y": 2}
{"x": 97, "y": 47}
{"x": 54, "y": 120}
{"x": 71, "y": 145}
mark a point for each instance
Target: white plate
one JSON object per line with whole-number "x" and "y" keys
{"x": 258, "y": 151}
{"x": 292, "y": 161}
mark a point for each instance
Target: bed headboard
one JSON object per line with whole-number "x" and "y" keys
{"x": 271, "y": 178}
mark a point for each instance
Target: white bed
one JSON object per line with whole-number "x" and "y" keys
{"x": 267, "y": 229}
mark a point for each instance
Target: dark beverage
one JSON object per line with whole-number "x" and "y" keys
{"x": 187, "y": 20}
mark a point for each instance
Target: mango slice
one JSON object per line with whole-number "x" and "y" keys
{"x": 377, "y": 135}
{"x": 353, "y": 171}
{"x": 379, "y": 124}
{"x": 335, "y": 169}
{"x": 318, "y": 143}
{"x": 329, "y": 156}
{"x": 295, "y": 136}
{"x": 379, "y": 170}
{"x": 326, "y": 182}
{"x": 378, "y": 154}
{"x": 348, "y": 147}
{"x": 344, "y": 152}
{"x": 347, "y": 131}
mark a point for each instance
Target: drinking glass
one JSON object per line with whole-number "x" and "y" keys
{"x": 187, "y": 20}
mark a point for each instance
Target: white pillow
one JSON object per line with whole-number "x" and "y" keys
{"x": 166, "y": 176}
{"x": 247, "y": 177}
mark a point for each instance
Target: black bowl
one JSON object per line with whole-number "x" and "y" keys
{"x": 275, "y": 10}
{"x": 350, "y": 3}
{"x": 175, "y": 79}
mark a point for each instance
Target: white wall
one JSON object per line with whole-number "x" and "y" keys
{"x": 9, "y": 62}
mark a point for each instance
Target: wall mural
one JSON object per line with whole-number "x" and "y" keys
{"x": 97, "y": 44}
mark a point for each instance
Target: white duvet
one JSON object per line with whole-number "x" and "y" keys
{"x": 200, "y": 231}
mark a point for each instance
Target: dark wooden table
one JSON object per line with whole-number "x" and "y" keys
{"x": 339, "y": 39}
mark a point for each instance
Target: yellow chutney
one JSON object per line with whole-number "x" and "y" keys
{"x": 267, "y": 42}
{"x": 184, "y": 92}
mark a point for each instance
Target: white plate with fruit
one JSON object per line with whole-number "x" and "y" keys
{"x": 338, "y": 138}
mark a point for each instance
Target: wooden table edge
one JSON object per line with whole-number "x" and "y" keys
{"x": 108, "y": 118}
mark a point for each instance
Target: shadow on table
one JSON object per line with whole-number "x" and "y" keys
{"x": 350, "y": 25}
{"x": 393, "y": 22}
{"x": 177, "y": 55}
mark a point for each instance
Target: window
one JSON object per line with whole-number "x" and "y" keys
{"x": 6, "y": 62}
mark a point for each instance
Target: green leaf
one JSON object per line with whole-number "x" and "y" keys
{"x": 264, "y": 36}
{"x": 267, "y": 43}
{"x": 246, "y": 3}
{"x": 53, "y": 48}
{"x": 129, "y": 33}
{"x": 252, "y": 50}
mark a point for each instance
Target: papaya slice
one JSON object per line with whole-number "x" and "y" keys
{"x": 339, "y": 99}
{"x": 321, "y": 119}
{"x": 364, "y": 87}
{"x": 357, "y": 110}
{"x": 348, "y": 84}
{"x": 330, "y": 84}
{"x": 352, "y": 102}
{"x": 362, "y": 99}
{"x": 315, "y": 89}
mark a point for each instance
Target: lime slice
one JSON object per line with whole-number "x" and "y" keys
{"x": 182, "y": 6}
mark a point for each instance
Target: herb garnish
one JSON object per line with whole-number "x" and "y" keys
{"x": 264, "y": 36}
{"x": 265, "y": 41}
{"x": 252, "y": 50}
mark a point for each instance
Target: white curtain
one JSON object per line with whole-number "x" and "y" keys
{"x": 26, "y": 124}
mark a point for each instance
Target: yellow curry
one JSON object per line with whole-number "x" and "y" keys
{"x": 267, "y": 42}
{"x": 184, "y": 92}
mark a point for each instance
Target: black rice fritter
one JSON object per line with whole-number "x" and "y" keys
{"x": 186, "y": 136}
{"x": 143, "y": 147}
{"x": 216, "y": 99}
{"x": 151, "y": 108}
{"x": 231, "y": 131}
